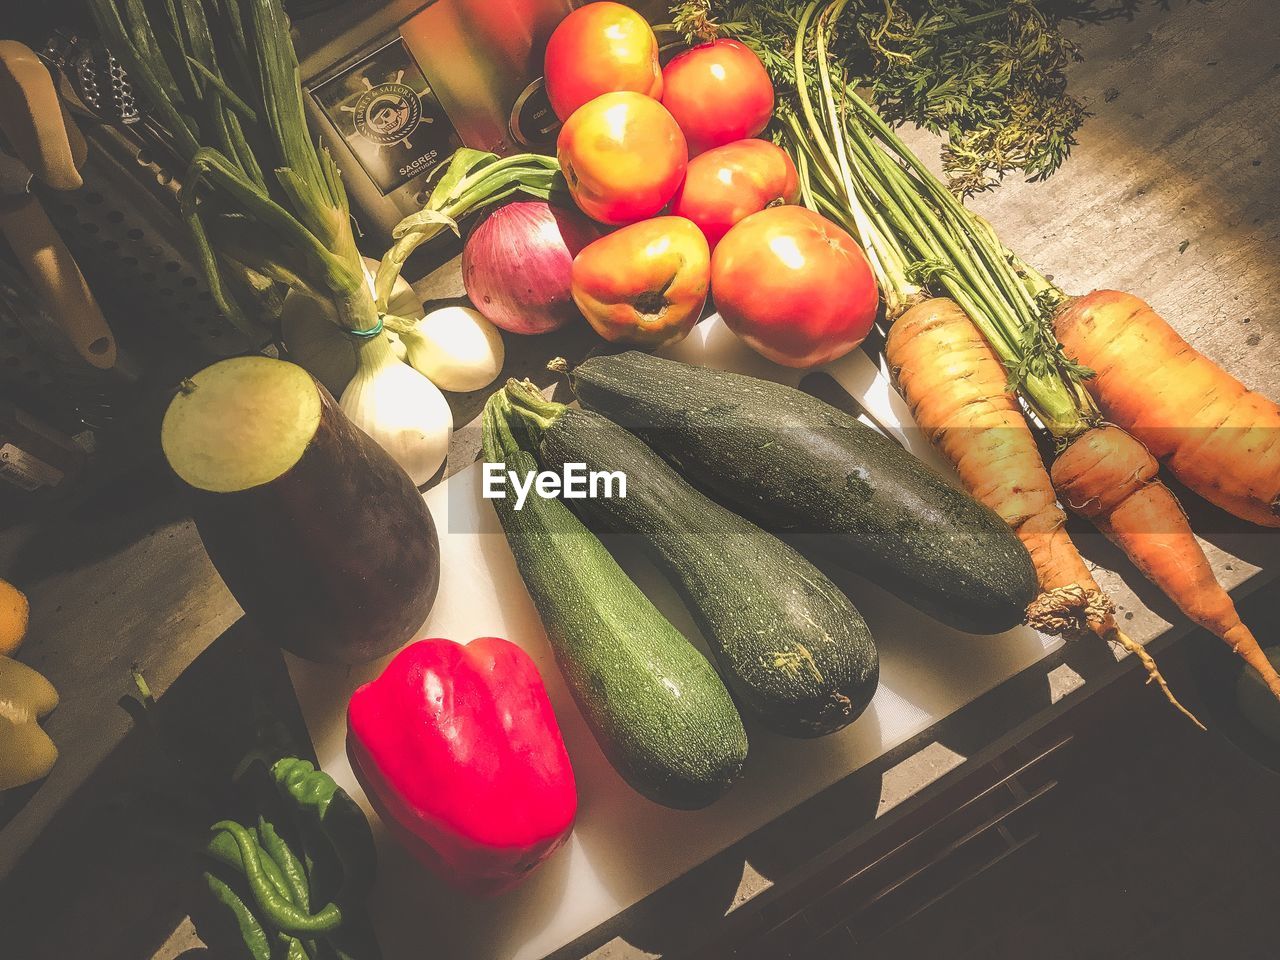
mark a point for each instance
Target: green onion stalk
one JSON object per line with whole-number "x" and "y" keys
{"x": 221, "y": 80}
{"x": 261, "y": 199}
{"x": 919, "y": 238}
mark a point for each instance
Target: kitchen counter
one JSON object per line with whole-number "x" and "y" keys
{"x": 1171, "y": 194}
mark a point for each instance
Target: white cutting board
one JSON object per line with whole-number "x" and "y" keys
{"x": 624, "y": 847}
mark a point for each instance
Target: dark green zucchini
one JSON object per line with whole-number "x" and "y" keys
{"x": 657, "y": 708}
{"x": 801, "y": 467}
{"x": 791, "y": 646}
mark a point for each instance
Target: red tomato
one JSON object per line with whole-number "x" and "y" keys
{"x": 728, "y": 183}
{"x": 794, "y": 286}
{"x": 600, "y": 48}
{"x": 718, "y": 92}
{"x": 623, "y": 157}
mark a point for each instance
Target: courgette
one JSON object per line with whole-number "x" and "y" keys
{"x": 658, "y": 709}
{"x": 798, "y": 466}
{"x": 793, "y": 648}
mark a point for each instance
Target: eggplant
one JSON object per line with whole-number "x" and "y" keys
{"x": 319, "y": 535}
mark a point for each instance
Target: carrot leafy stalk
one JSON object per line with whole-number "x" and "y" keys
{"x": 987, "y": 75}
{"x": 852, "y": 162}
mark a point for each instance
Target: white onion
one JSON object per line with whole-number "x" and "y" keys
{"x": 399, "y": 349}
{"x": 518, "y": 263}
{"x": 399, "y": 408}
{"x": 455, "y": 348}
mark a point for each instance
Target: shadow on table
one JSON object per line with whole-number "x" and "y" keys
{"x": 115, "y": 866}
{"x": 112, "y": 515}
{"x": 693, "y": 907}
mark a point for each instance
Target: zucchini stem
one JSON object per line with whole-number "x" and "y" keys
{"x": 524, "y": 399}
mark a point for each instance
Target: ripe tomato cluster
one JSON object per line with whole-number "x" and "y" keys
{"x": 640, "y": 140}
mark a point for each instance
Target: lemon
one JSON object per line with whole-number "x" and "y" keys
{"x": 13, "y": 618}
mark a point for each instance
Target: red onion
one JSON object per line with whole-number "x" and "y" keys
{"x": 517, "y": 265}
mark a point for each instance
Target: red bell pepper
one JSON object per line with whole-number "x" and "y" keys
{"x": 459, "y": 752}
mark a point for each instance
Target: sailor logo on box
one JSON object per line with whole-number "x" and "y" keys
{"x": 384, "y": 108}
{"x": 388, "y": 113}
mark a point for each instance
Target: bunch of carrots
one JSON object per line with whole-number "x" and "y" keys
{"x": 976, "y": 335}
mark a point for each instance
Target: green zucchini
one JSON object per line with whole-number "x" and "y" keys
{"x": 658, "y": 709}
{"x": 791, "y": 646}
{"x": 801, "y": 467}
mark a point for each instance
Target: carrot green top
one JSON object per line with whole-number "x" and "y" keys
{"x": 920, "y": 238}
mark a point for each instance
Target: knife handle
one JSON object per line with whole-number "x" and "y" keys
{"x": 59, "y": 285}
{"x": 31, "y": 116}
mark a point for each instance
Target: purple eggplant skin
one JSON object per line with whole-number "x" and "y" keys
{"x": 336, "y": 560}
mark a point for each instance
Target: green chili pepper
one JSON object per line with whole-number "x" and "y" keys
{"x": 294, "y": 950}
{"x": 278, "y": 910}
{"x": 222, "y": 847}
{"x": 251, "y": 931}
{"x": 329, "y": 809}
{"x": 330, "y": 830}
{"x": 295, "y": 875}
{"x": 276, "y": 854}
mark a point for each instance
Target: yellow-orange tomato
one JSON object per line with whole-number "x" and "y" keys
{"x": 600, "y": 48}
{"x": 623, "y": 157}
{"x": 644, "y": 284}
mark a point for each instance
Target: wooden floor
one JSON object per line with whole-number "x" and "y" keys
{"x": 1163, "y": 843}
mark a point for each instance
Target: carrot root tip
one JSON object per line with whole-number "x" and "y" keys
{"x": 1154, "y": 675}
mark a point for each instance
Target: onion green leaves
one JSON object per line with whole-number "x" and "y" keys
{"x": 265, "y": 203}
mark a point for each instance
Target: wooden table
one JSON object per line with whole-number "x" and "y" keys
{"x": 1171, "y": 194}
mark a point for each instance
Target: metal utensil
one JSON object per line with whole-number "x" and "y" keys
{"x": 46, "y": 145}
{"x": 123, "y": 224}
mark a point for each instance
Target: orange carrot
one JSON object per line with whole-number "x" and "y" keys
{"x": 1219, "y": 438}
{"x": 1147, "y": 377}
{"x": 957, "y": 391}
{"x": 1110, "y": 477}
